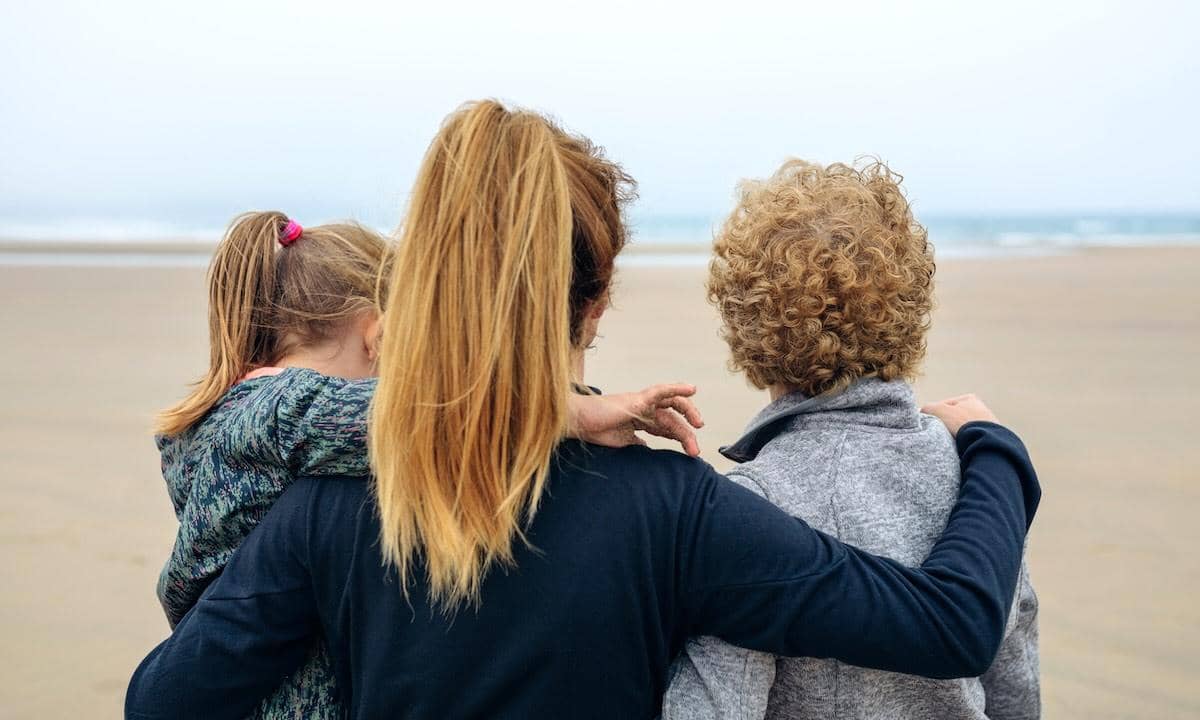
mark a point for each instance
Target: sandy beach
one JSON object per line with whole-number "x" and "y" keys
{"x": 1089, "y": 356}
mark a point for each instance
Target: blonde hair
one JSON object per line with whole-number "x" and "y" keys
{"x": 822, "y": 276}
{"x": 266, "y": 300}
{"x": 510, "y": 236}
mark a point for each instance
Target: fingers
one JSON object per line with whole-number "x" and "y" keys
{"x": 958, "y": 411}
{"x": 949, "y": 415}
{"x": 684, "y": 407}
{"x": 940, "y": 410}
{"x": 680, "y": 430}
{"x": 675, "y": 396}
{"x": 959, "y": 399}
{"x": 657, "y": 393}
{"x": 671, "y": 425}
{"x": 664, "y": 410}
{"x": 949, "y": 401}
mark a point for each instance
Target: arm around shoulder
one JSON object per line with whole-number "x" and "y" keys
{"x": 760, "y": 579}
{"x": 251, "y": 627}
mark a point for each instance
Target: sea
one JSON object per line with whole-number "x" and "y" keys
{"x": 656, "y": 239}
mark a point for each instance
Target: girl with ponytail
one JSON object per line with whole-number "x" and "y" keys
{"x": 493, "y": 568}
{"x": 292, "y": 325}
{"x": 293, "y": 333}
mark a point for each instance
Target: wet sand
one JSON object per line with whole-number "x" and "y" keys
{"x": 1090, "y": 357}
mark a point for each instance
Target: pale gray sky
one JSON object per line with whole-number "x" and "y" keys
{"x": 188, "y": 112}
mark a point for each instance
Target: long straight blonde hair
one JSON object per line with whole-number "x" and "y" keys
{"x": 511, "y": 231}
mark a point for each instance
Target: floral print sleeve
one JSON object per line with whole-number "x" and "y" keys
{"x": 322, "y": 427}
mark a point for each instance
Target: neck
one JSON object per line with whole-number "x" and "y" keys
{"x": 328, "y": 358}
{"x": 577, "y": 366}
{"x": 778, "y": 391}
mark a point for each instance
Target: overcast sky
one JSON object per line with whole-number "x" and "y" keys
{"x": 192, "y": 111}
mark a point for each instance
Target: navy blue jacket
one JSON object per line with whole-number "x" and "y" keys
{"x": 633, "y": 551}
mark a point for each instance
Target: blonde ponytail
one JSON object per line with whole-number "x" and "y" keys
{"x": 475, "y": 364}
{"x": 265, "y": 299}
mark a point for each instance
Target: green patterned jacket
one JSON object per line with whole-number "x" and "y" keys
{"x": 226, "y": 471}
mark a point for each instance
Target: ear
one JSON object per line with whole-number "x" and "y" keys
{"x": 372, "y": 326}
{"x": 596, "y": 310}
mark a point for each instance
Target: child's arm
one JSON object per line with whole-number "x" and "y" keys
{"x": 1013, "y": 683}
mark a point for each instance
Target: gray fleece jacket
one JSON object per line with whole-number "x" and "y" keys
{"x": 867, "y": 467}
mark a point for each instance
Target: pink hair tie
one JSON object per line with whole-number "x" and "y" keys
{"x": 290, "y": 233}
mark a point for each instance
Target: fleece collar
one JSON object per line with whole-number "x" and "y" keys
{"x": 869, "y": 401}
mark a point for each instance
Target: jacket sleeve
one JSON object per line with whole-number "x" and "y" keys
{"x": 211, "y": 666}
{"x": 758, "y": 578}
{"x": 322, "y": 427}
{"x": 713, "y": 680}
{"x": 1012, "y": 684}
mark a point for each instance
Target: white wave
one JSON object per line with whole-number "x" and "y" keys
{"x": 104, "y": 260}
{"x": 105, "y": 231}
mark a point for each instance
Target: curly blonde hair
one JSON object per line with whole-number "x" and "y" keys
{"x": 822, "y": 277}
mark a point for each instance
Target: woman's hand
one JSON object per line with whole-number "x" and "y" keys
{"x": 958, "y": 411}
{"x": 612, "y": 420}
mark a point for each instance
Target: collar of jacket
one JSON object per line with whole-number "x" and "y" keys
{"x": 869, "y": 401}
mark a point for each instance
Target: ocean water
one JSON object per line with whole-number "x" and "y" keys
{"x": 657, "y": 240}
{"x": 685, "y": 240}
{"x": 968, "y": 234}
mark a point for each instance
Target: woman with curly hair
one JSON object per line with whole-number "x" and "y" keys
{"x": 824, "y": 282}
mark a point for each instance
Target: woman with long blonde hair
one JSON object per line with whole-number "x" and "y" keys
{"x": 494, "y": 569}
{"x": 293, "y": 324}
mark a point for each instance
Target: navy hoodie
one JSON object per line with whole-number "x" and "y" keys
{"x": 631, "y": 552}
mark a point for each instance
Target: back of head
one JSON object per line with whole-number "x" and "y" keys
{"x": 510, "y": 236}
{"x": 822, "y": 277}
{"x": 274, "y": 287}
